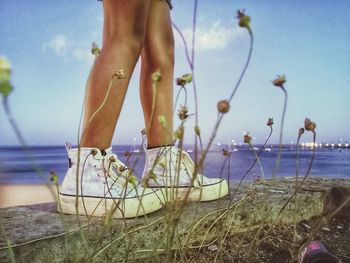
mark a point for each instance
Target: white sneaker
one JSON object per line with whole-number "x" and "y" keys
{"x": 105, "y": 185}
{"x": 169, "y": 169}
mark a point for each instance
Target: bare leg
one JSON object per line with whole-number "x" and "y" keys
{"x": 124, "y": 30}
{"x": 158, "y": 54}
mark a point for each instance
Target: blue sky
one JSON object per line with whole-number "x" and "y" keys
{"x": 48, "y": 44}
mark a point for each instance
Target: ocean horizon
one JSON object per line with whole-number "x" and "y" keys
{"x": 33, "y": 164}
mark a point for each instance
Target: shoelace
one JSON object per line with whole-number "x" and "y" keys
{"x": 200, "y": 179}
{"x": 171, "y": 157}
{"x": 119, "y": 172}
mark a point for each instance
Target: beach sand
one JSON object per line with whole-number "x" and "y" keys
{"x": 19, "y": 194}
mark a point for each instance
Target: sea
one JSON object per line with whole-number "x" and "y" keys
{"x": 32, "y": 165}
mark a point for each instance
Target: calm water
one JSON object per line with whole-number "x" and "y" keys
{"x": 19, "y": 167}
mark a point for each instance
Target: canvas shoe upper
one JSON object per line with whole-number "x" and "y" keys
{"x": 169, "y": 167}
{"x": 98, "y": 175}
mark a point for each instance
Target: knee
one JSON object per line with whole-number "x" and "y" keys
{"x": 159, "y": 53}
{"x": 131, "y": 45}
{"x": 130, "y": 40}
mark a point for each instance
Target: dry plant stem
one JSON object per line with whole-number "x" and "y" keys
{"x": 43, "y": 238}
{"x": 223, "y": 166}
{"x": 297, "y": 162}
{"x": 78, "y": 161}
{"x": 24, "y": 147}
{"x": 141, "y": 148}
{"x": 13, "y": 122}
{"x": 191, "y": 64}
{"x": 117, "y": 204}
{"x": 194, "y": 22}
{"x": 81, "y": 188}
{"x": 235, "y": 206}
{"x": 228, "y": 158}
{"x": 184, "y": 42}
{"x": 162, "y": 250}
{"x": 281, "y": 133}
{"x": 97, "y": 111}
{"x": 302, "y": 182}
{"x": 83, "y": 107}
{"x": 224, "y": 212}
{"x": 254, "y": 243}
{"x": 177, "y": 97}
{"x": 258, "y": 159}
{"x": 174, "y": 218}
{"x": 99, "y": 251}
{"x": 192, "y": 59}
{"x": 256, "y": 240}
{"x": 252, "y": 246}
{"x": 140, "y": 201}
{"x": 294, "y": 249}
{"x": 135, "y": 188}
{"x": 229, "y": 176}
{"x": 251, "y": 167}
{"x": 61, "y": 213}
{"x": 23, "y": 144}
{"x": 154, "y": 98}
{"x": 178, "y": 165}
{"x": 58, "y": 197}
{"x": 220, "y": 116}
{"x": 9, "y": 247}
{"x": 82, "y": 235}
{"x": 199, "y": 164}
{"x": 78, "y": 140}
{"x": 225, "y": 236}
{"x": 245, "y": 66}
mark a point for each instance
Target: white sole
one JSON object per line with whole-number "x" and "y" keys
{"x": 197, "y": 193}
{"x": 128, "y": 207}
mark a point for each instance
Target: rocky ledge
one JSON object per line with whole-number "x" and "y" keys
{"x": 37, "y": 233}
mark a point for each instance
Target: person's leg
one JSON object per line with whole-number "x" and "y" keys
{"x": 158, "y": 54}
{"x": 167, "y": 167}
{"x": 124, "y": 30}
{"x": 97, "y": 183}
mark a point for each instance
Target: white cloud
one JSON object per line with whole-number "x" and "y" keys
{"x": 216, "y": 37}
{"x": 58, "y": 44}
{"x": 83, "y": 54}
{"x": 64, "y": 47}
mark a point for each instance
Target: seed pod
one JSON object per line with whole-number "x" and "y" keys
{"x": 279, "y": 81}
{"x": 197, "y": 130}
{"x": 247, "y": 138}
{"x": 223, "y": 106}
{"x": 179, "y": 133}
{"x": 95, "y": 50}
{"x": 309, "y": 125}
{"x": 184, "y": 79}
{"x": 225, "y": 152}
{"x": 270, "y": 122}
{"x": 132, "y": 179}
{"x": 156, "y": 76}
{"x": 244, "y": 20}
{"x": 119, "y": 74}
{"x": 162, "y": 121}
{"x": 53, "y": 176}
{"x": 183, "y": 113}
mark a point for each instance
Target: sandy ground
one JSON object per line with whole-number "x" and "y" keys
{"x": 14, "y": 195}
